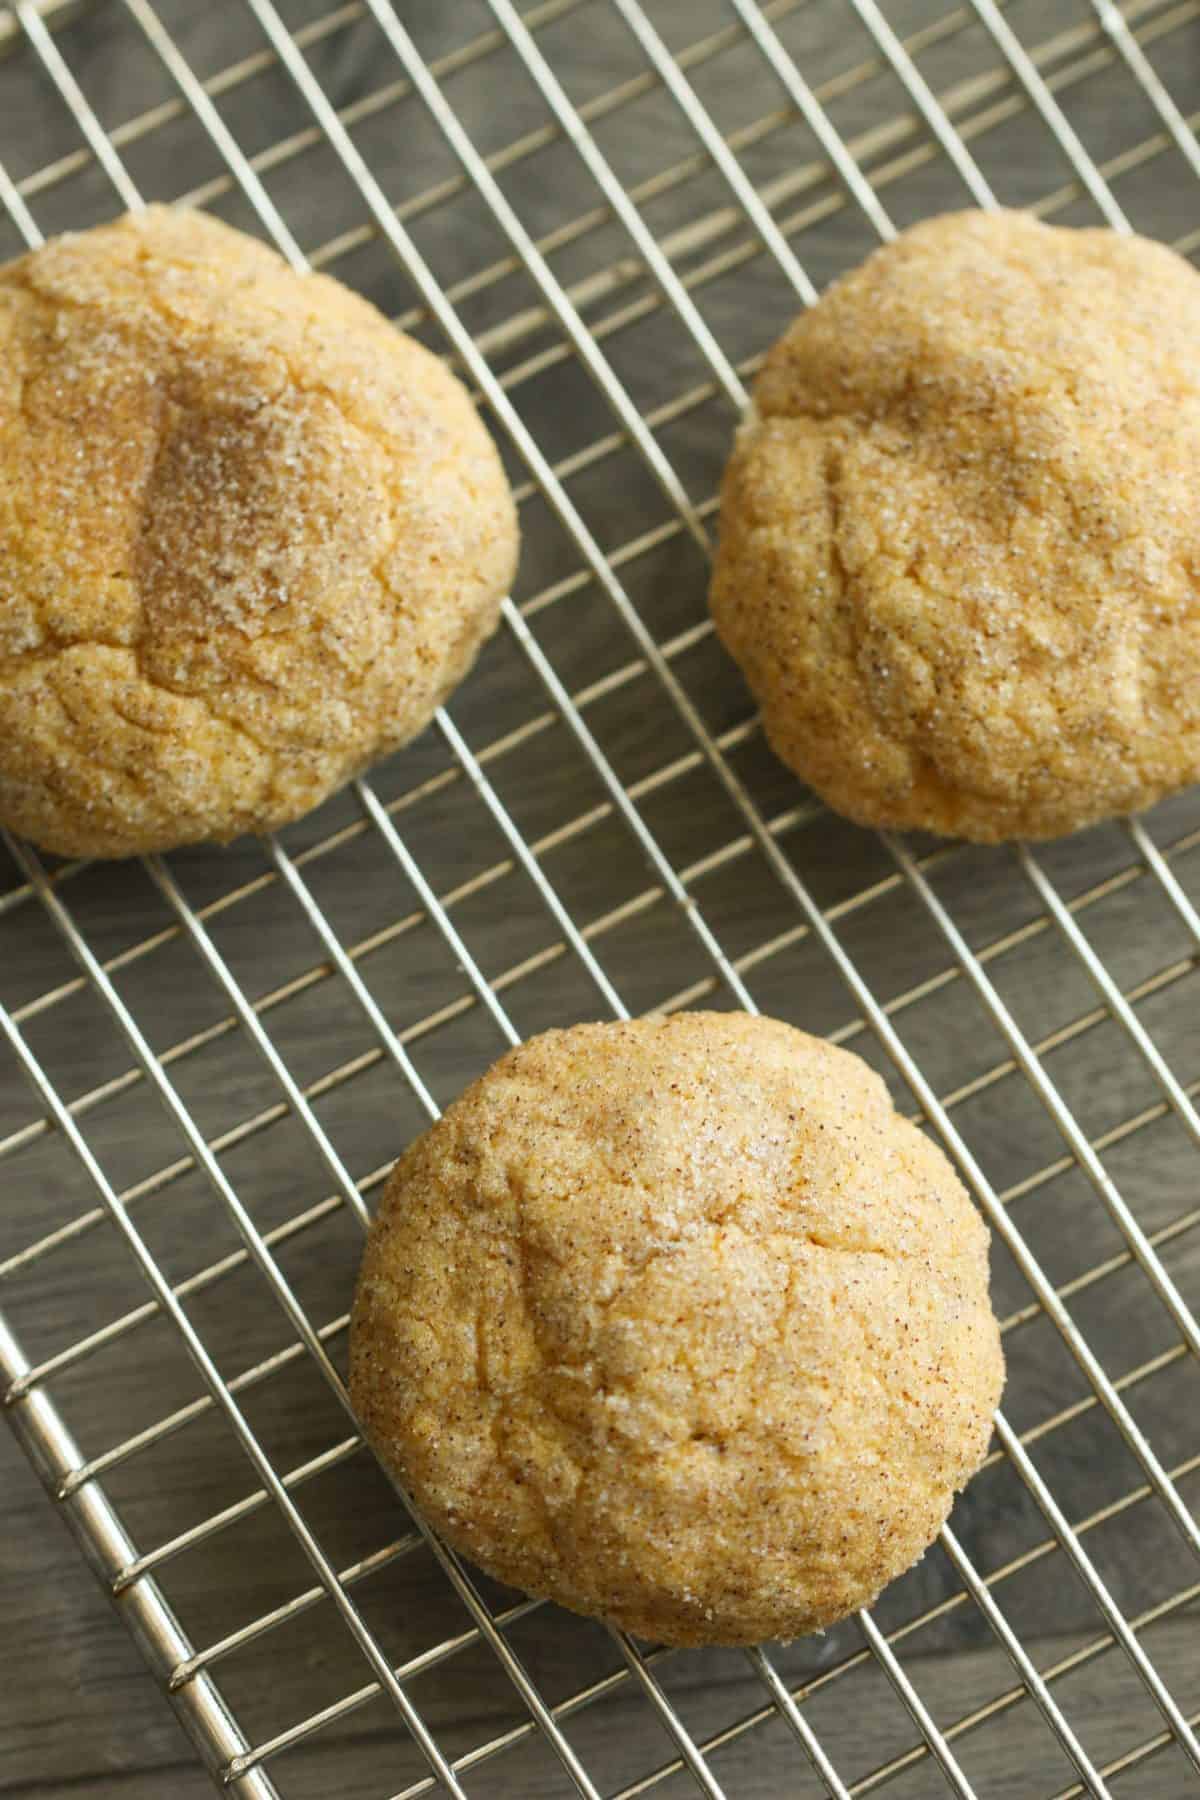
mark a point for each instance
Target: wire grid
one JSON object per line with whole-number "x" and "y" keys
{"x": 602, "y": 212}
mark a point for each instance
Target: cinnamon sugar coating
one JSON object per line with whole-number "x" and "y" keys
{"x": 960, "y": 545}
{"x": 678, "y": 1323}
{"x": 250, "y": 537}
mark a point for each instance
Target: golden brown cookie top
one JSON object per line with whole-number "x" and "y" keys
{"x": 960, "y": 562}
{"x": 677, "y": 1322}
{"x": 250, "y": 535}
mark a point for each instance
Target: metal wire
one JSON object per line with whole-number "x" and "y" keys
{"x": 852, "y": 172}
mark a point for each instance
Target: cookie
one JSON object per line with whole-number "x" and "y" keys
{"x": 960, "y": 550}
{"x": 678, "y": 1323}
{"x": 251, "y": 536}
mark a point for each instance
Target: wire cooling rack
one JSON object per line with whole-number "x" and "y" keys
{"x": 602, "y": 212}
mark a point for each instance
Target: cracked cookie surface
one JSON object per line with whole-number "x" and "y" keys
{"x": 675, "y": 1321}
{"x": 960, "y": 551}
{"x": 251, "y": 536}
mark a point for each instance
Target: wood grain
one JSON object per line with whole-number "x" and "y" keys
{"x": 78, "y": 1711}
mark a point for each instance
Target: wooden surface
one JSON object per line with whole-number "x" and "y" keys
{"x": 78, "y": 1712}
